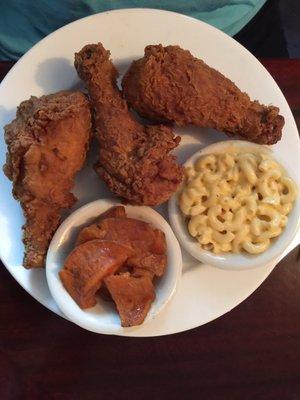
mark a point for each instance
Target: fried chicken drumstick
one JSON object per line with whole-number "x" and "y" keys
{"x": 47, "y": 145}
{"x": 134, "y": 159}
{"x": 169, "y": 84}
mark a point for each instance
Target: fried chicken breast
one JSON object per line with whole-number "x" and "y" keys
{"x": 169, "y": 84}
{"x": 47, "y": 145}
{"x": 134, "y": 159}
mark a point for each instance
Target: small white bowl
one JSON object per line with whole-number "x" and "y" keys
{"x": 230, "y": 261}
{"x": 103, "y": 318}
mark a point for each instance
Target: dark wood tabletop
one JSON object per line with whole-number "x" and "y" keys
{"x": 253, "y": 352}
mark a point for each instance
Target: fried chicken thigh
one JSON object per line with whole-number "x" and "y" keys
{"x": 169, "y": 84}
{"x": 134, "y": 159}
{"x": 47, "y": 145}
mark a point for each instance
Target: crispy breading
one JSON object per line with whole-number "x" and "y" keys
{"x": 170, "y": 85}
{"x": 134, "y": 159}
{"x": 47, "y": 145}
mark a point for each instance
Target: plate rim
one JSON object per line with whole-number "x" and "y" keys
{"x": 192, "y": 20}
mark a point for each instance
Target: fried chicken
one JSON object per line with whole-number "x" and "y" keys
{"x": 169, "y": 84}
{"x": 134, "y": 159}
{"x": 47, "y": 145}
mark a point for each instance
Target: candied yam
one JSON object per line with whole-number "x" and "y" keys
{"x": 113, "y": 212}
{"x": 155, "y": 263}
{"x": 149, "y": 244}
{"x": 104, "y": 294}
{"x": 159, "y": 245}
{"x": 133, "y": 297}
{"x": 92, "y": 231}
{"x": 137, "y": 272}
{"x": 141, "y": 273}
{"x": 134, "y": 230}
{"x": 88, "y": 264}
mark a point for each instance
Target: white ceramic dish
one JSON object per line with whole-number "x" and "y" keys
{"x": 204, "y": 293}
{"x": 103, "y": 318}
{"x": 229, "y": 260}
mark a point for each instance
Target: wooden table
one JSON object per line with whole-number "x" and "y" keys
{"x": 251, "y": 353}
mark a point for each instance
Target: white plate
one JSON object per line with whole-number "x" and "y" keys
{"x": 103, "y": 318}
{"x": 204, "y": 293}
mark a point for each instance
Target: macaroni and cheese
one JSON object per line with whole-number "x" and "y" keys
{"x": 236, "y": 201}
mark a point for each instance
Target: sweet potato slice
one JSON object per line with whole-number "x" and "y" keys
{"x": 88, "y": 233}
{"x": 113, "y": 212}
{"x": 92, "y": 232}
{"x": 133, "y": 296}
{"x": 149, "y": 244}
{"x": 88, "y": 264}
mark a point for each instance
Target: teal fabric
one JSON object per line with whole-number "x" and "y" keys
{"x": 24, "y": 22}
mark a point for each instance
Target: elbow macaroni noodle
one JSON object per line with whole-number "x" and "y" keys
{"x": 236, "y": 201}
